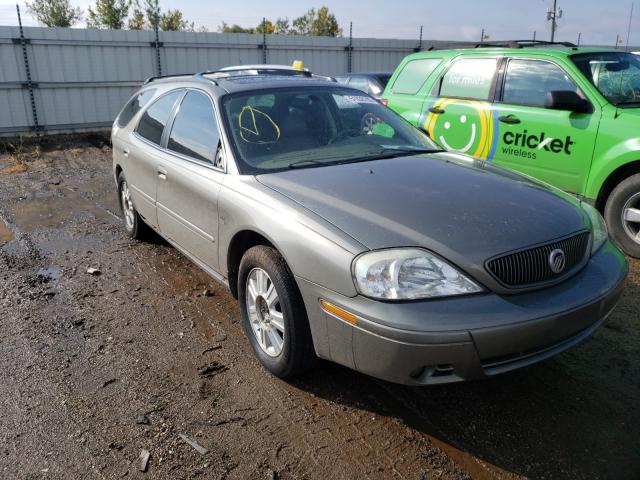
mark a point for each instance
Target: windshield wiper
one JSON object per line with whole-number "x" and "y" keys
{"x": 388, "y": 153}
{"x": 410, "y": 149}
{"x": 633, "y": 103}
{"x": 385, "y": 152}
{"x": 305, "y": 163}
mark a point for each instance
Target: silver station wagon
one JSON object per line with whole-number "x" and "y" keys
{"x": 347, "y": 235}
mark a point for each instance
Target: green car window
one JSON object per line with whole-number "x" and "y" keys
{"x": 527, "y": 82}
{"x": 413, "y": 75}
{"x": 469, "y": 78}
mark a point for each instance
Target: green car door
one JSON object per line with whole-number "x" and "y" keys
{"x": 553, "y": 144}
{"x": 458, "y": 116}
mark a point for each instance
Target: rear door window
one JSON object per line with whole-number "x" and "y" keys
{"x": 134, "y": 106}
{"x": 527, "y": 82}
{"x": 469, "y": 78}
{"x": 414, "y": 74}
{"x": 195, "y": 131}
{"x": 155, "y": 118}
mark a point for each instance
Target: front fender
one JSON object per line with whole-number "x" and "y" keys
{"x": 313, "y": 249}
{"x": 608, "y": 161}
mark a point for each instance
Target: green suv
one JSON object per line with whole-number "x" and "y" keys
{"x": 567, "y": 115}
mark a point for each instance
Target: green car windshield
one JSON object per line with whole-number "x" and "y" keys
{"x": 284, "y": 128}
{"x": 615, "y": 74}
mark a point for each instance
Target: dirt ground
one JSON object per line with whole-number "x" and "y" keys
{"x": 96, "y": 368}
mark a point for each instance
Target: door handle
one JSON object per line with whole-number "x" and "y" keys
{"x": 125, "y": 152}
{"x": 436, "y": 110}
{"x": 162, "y": 173}
{"x": 509, "y": 120}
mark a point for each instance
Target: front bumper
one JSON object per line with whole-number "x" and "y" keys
{"x": 466, "y": 337}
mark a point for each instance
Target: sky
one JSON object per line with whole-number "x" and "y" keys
{"x": 597, "y": 21}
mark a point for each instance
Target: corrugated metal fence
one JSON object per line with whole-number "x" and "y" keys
{"x": 80, "y": 78}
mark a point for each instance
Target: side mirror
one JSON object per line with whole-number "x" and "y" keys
{"x": 567, "y": 100}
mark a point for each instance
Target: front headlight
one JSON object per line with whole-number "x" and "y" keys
{"x": 408, "y": 273}
{"x": 598, "y": 227}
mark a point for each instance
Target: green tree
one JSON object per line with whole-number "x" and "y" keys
{"x": 224, "y": 27}
{"x": 173, "y": 21}
{"x": 282, "y": 26}
{"x": 108, "y": 14}
{"x": 268, "y": 27}
{"x": 302, "y": 24}
{"x": 152, "y": 13}
{"x": 136, "y": 20}
{"x": 317, "y": 22}
{"x": 325, "y": 24}
{"x": 54, "y": 13}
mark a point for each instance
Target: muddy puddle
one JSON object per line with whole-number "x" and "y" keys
{"x": 54, "y": 210}
{"x": 6, "y": 234}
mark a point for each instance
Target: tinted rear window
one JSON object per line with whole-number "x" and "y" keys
{"x": 134, "y": 106}
{"x": 155, "y": 118}
{"x": 414, "y": 74}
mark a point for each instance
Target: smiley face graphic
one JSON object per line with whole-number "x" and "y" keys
{"x": 465, "y": 126}
{"x": 472, "y": 139}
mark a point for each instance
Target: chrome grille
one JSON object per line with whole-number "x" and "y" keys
{"x": 531, "y": 266}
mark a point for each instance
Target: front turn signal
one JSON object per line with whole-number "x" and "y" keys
{"x": 338, "y": 312}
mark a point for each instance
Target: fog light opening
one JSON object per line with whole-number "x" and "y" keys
{"x": 440, "y": 370}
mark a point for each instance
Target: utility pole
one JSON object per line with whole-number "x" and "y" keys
{"x": 554, "y": 15}
{"x": 579, "y": 35}
{"x": 534, "y": 35}
{"x": 483, "y": 36}
{"x": 626, "y": 47}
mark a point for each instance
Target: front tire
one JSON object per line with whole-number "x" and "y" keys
{"x": 133, "y": 223}
{"x": 273, "y": 313}
{"x": 622, "y": 215}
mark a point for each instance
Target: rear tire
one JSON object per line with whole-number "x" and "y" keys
{"x": 133, "y": 223}
{"x": 622, "y": 215}
{"x": 273, "y": 313}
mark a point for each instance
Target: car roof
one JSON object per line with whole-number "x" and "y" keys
{"x": 262, "y": 67}
{"x": 259, "y": 82}
{"x": 240, "y": 83}
{"x": 564, "y": 50}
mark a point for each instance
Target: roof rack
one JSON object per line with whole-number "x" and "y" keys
{"x": 201, "y": 76}
{"x": 523, "y": 44}
{"x": 196, "y": 76}
{"x": 158, "y": 77}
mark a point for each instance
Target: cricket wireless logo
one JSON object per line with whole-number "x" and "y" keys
{"x": 524, "y": 144}
{"x": 472, "y": 127}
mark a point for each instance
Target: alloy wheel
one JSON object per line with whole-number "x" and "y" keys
{"x": 127, "y": 206}
{"x": 631, "y": 217}
{"x": 265, "y": 312}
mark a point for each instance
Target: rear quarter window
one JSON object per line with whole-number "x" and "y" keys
{"x": 135, "y": 104}
{"x": 469, "y": 78}
{"x": 414, "y": 74}
{"x": 154, "y": 119}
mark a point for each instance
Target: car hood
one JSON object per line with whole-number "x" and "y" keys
{"x": 463, "y": 209}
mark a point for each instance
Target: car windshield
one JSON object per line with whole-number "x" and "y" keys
{"x": 284, "y": 128}
{"x": 615, "y": 74}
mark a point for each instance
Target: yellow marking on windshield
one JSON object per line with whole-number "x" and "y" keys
{"x": 250, "y": 125}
